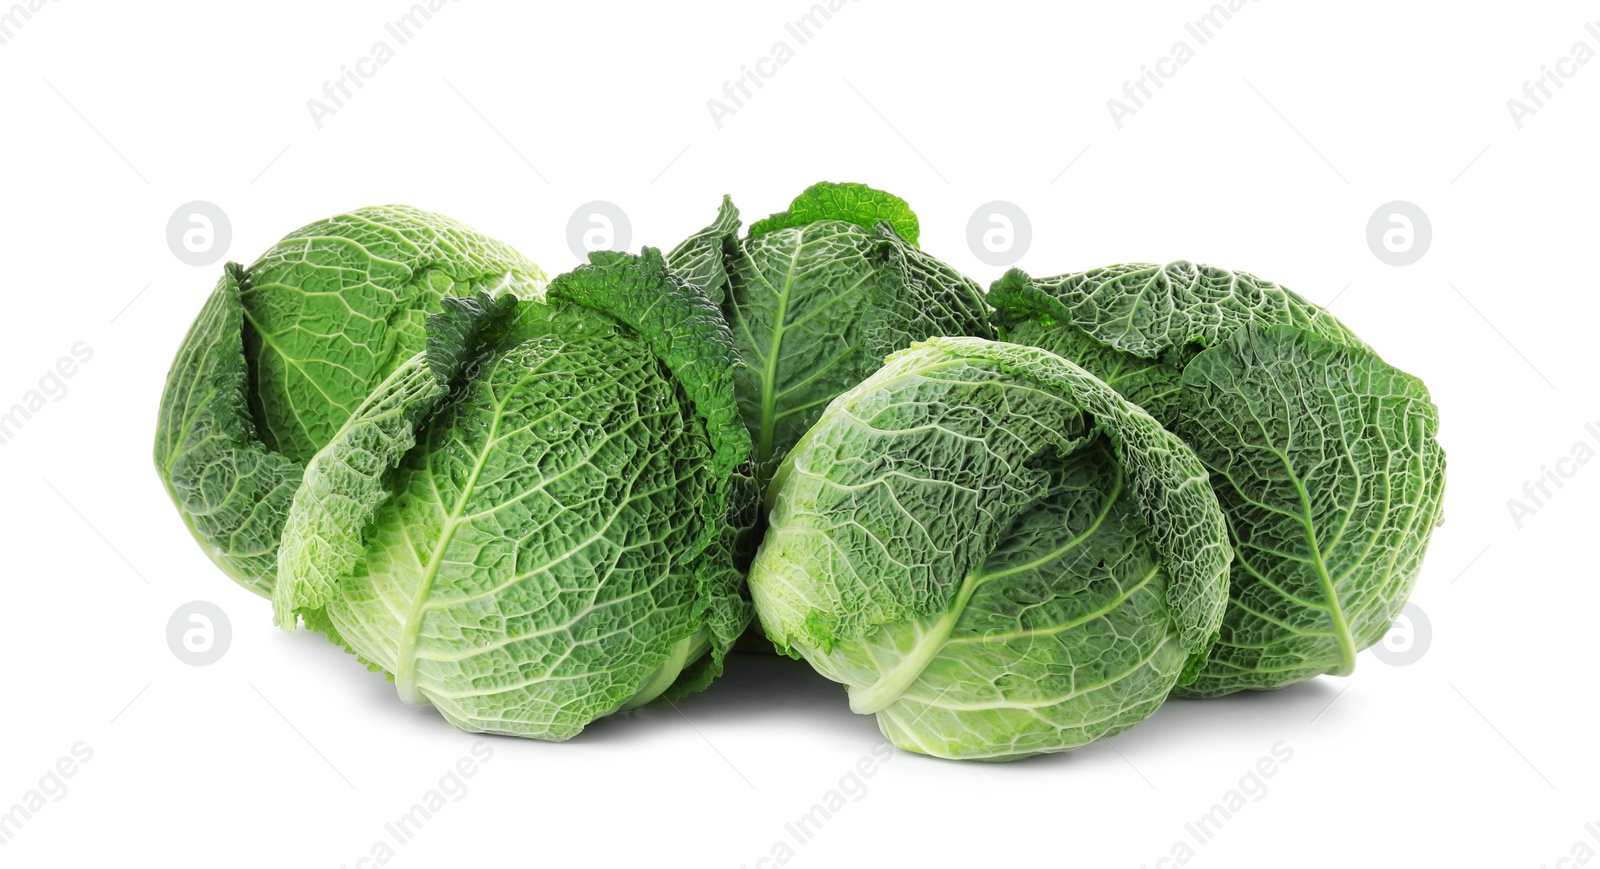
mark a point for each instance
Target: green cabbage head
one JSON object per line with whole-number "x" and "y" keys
{"x": 533, "y": 522}
{"x": 1325, "y": 457}
{"x": 994, "y": 552}
{"x": 286, "y": 349}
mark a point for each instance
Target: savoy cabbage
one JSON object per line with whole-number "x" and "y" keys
{"x": 1324, "y": 457}
{"x": 995, "y": 552}
{"x": 532, "y": 503}
{"x": 532, "y": 522}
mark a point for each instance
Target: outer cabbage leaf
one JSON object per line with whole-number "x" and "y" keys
{"x": 817, "y": 296}
{"x": 231, "y": 491}
{"x": 1326, "y": 463}
{"x": 686, "y": 332}
{"x": 1136, "y": 325}
{"x": 338, "y": 305}
{"x": 347, "y": 481}
{"x": 559, "y": 543}
{"x": 700, "y": 260}
{"x": 1318, "y": 465}
{"x": 993, "y": 551}
{"x": 1166, "y": 312}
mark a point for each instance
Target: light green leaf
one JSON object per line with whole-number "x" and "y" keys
{"x": 337, "y": 306}
{"x": 525, "y": 576}
{"x": 561, "y": 541}
{"x": 699, "y": 259}
{"x": 981, "y": 528}
{"x": 346, "y": 482}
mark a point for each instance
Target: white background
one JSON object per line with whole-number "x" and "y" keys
{"x": 1267, "y": 152}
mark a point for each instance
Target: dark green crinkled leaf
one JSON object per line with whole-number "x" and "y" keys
{"x": 818, "y": 297}
{"x": 282, "y": 354}
{"x": 1150, "y": 383}
{"x": 682, "y": 327}
{"x": 1167, "y": 312}
{"x": 722, "y": 595}
{"x": 231, "y": 491}
{"x": 687, "y": 333}
{"x": 1327, "y": 465}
